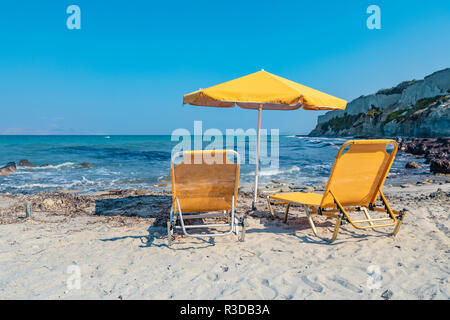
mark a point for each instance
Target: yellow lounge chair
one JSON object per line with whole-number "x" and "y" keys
{"x": 204, "y": 182}
{"x": 356, "y": 180}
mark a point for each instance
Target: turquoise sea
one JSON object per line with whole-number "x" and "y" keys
{"x": 132, "y": 162}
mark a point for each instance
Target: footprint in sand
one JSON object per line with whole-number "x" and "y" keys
{"x": 213, "y": 276}
{"x": 347, "y": 285}
{"x": 437, "y": 220}
{"x": 267, "y": 285}
{"x": 315, "y": 286}
{"x": 427, "y": 292}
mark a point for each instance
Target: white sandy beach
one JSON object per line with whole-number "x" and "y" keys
{"x": 128, "y": 258}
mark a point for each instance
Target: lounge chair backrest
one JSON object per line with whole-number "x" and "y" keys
{"x": 359, "y": 171}
{"x": 205, "y": 180}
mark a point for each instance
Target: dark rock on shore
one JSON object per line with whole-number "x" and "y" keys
{"x": 412, "y": 165}
{"x": 436, "y": 152}
{"x": 8, "y": 168}
{"x": 440, "y": 166}
{"x": 26, "y": 163}
{"x": 439, "y": 195}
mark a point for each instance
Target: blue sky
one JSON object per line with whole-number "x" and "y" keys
{"x": 126, "y": 70}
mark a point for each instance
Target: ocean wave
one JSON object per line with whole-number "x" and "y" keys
{"x": 84, "y": 182}
{"x": 118, "y": 153}
{"x": 31, "y": 186}
{"x": 318, "y": 166}
{"x": 165, "y": 177}
{"x": 142, "y": 164}
{"x": 49, "y": 167}
{"x": 272, "y": 172}
{"x": 331, "y": 144}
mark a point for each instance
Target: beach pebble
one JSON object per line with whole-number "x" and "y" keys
{"x": 386, "y": 295}
{"x": 439, "y": 195}
{"x": 320, "y": 186}
{"x": 48, "y": 203}
{"x": 270, "y": 191}
{"x": 60, "y": 202}
{"x": 245, "y": 190}
{"x": 302, "y": 188}
{"x": 141, "y": 192}
{"x": 279, "y": 181}
{"x": 412, "y": 165}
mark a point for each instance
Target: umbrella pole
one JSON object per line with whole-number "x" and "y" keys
{"x": 257, "y": 157}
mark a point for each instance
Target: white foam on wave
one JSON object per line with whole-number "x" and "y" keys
{"x": 84, "y": 182}
{"x": 317, "y": 166}
{"x": 57, "y": 166}
{"x": 272, "y": 172}
{"x": 30, "y": 186}
{"x": 164, "y": 177}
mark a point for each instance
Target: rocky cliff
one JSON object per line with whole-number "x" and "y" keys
{"x": 417, "y": 108}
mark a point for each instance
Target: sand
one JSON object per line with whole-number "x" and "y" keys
{"x": 128, "y": 257}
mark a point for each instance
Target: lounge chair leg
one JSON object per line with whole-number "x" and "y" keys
{"x": 310, "y": 220}
{"x": 336, "y": 229}
{"x": 366, "y": 214}
{"x": 270, "y": 207}
{"x": 286, "y": 212}
{"x": 242, "y": 235}
{"x": 399, "y": 222}
{"x": 169, "y": 233}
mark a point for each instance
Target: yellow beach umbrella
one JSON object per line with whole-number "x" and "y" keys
{"x": 263, "y": 91}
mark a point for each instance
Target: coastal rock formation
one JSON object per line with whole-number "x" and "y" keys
{"x": 412, "y": 108}
{"x": 435, "y": 151}
{"x": 26, "y": 163}
{"x": 440, "y": 166}
{"x": 8, "y": 168}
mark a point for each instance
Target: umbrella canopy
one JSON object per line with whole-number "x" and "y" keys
{"x": 262, "y": 87}
{"x": 263, "y": 91}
